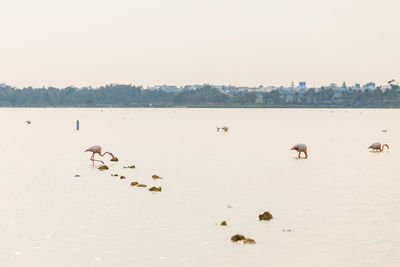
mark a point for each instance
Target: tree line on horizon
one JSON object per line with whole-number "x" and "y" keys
{"x": 136, "y": 96}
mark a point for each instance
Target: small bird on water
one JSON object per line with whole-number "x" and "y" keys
{"x": 97, "y": 150}
{"x": 300, "y": 148}
{"x": 378, "y": 146}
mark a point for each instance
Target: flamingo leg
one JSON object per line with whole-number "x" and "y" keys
{"x": 305, "y": 152}
{"x": 299, "y": 154}
{"x": 93, "y": 160}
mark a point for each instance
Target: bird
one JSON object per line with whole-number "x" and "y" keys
{"x": 218, "y": 128}
{"x": 28, "y": 122}
{"x": 378, "y": 146}
{"x": 300, "y": 148}
{"x": 225, "y": 129}
{"x": 97, "y": 149}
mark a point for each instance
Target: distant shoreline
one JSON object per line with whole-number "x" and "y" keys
{"x": 128, "y": 96}
{"x": 205, "y": 107}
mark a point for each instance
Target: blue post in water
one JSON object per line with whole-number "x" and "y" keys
{"x": 77, "y": 125}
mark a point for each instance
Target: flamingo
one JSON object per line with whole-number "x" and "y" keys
{"x": 300, "y": 148}
{"x": 97, "y": 149}
{"x": 378, "y": 146}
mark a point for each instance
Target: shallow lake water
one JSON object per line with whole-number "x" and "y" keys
{"x": 341, "y": 204}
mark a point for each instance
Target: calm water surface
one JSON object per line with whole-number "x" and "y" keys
{"x": 342, "y": 204}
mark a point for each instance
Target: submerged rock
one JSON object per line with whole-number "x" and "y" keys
{"x": 242, "y": 239}
{"x": 266, "y": 216}
{"x": 130, "y": 167}
{"x": 114, "y": 174}
{"x": 122, "y": 177}
{"x": 141, "y": 185}
{"x": 223, "y": 223}
{"x": 103, "y": 167}
{"x": 155, "y": 176}
{"x": 248, "y": 241}
{"x": 134, "y": 183}
{"x": 158, "y": 189}
{"x": 114, "y": 159}
{"x": 77, "y": 175}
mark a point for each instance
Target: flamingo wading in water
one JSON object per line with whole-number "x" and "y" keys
{"x": 300, "y": 148}
{"x": 97, "y": 150}
{"x": 378, "y": 146}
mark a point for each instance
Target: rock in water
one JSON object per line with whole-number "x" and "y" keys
{"x": 237, "y": 238}
{"x": 266, "y": 216}
{"x": 157, "y": 189}
{"x": 141, "y": 185}
{"x": 134, "y": 183}
{"x": 130, "y": 167}
{"x": 248, "y": 241}
{"x": 155, "y": 176}
{"x": 242, "y": 239}
{"x": 114, "y": 159}
{"x": 223, "y": 223}
{"x": 103, "y": 167}
{"x": 122, "y": 177}
{"x": 77, "y": 175}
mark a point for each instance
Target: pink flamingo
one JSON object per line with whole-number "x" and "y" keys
{"x": 378, "y": 146}
{"x": 300, "y": 148}
{"x": 97, "y": 149}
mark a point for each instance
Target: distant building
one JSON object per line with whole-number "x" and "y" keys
{"x": 192, "y": 87}
{"x": 3, "y": 85}
{"x": 302, "y": 85}
{"x": 357, "y": 85}
{"x": 168, "y": 88}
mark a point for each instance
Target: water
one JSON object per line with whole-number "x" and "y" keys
{"x": 342, "y": 203}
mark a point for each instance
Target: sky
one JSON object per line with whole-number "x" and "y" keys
{"x": 177, "y": 42}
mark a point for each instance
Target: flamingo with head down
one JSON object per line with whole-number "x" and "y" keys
{"x": 97, "y": 150}
{"x": 378, "y": 146}
{"x": 300, "y": 148}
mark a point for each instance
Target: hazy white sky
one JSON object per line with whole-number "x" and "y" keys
{"x": 240, "y": 42}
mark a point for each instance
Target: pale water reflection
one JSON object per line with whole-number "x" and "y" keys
{"x": 341, "y": 204}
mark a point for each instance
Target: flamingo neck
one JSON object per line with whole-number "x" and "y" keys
{"x": 107, "y": 153}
